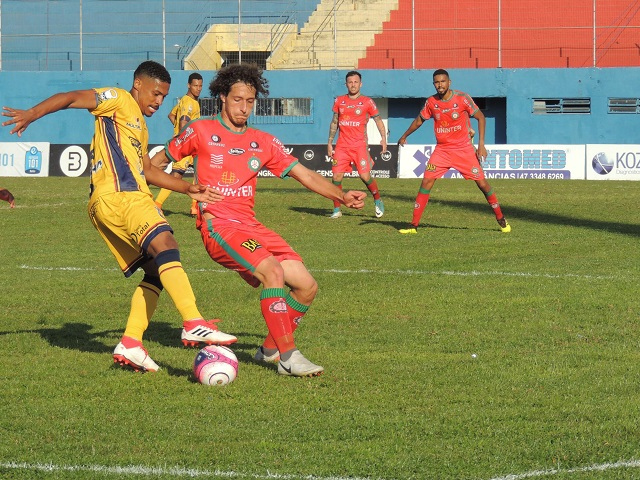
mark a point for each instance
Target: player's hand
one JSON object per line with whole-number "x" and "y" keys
{"x": 401, "y": 141}
{"x": 202, "y": 193}
{"x": 481, "y": 153}
{"x": 354, "y": 199}
{"x": 20, "y": 118}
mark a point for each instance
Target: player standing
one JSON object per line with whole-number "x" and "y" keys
{"x": 351, "y": 113}
{"x": 228, "y": 156}
{"x": 121, "y": 206}
{"x": 450, "y": 110}
{"x": 187, "y": 109}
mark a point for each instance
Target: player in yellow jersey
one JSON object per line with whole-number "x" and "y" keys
{"x": 186, "y": 109}
{"x": 121, "y": 205}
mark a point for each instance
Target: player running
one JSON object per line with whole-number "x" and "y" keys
{"x": 183, "y": 112}
{"x": 121, "y": 206}
{"x": 351, "y": 113}
{"x": 228, "y": 155}
{"x": 450, "y": 110}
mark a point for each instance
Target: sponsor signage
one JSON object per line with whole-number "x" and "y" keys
{"x": 613, "y": 162}
{"x": 22, "y": 159}
{"x": 555, "y": 162}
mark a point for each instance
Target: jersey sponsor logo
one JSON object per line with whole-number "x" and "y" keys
{"x": 254, "y": 164}
{"x": 135, "y": 126}
{"x": 254, "y": 145}
{"x": 358, "y": 111}
{"x": 215, "y": 161}
{"x": 228, "y": 178}
{"x": 346, "y": 123}
{"x": 455, "y": 115}
{"x": 430, "y": 167}
{"x": 236, "y": 151}
{"x": 251, "y": 244}
{"x": 455, "y": 128}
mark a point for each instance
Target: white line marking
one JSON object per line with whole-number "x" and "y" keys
{"x": 157, "y": 471}
{"x": 193, "y": 473}
{"x": 592, "y": 468}
{"x": 473, "y": 273}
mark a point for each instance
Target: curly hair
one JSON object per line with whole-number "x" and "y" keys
{"x": 248, "y": 73}
{"x": 153, "y": 70}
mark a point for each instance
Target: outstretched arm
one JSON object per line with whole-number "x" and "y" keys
{"x": 417, "y": 122}
{"x": 320, "y": 185}
{"x": 154, "y": 173}
{"x": 21, "y": 119}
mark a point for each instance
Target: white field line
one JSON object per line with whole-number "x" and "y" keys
{"x": 473, "y": 273}
{"x": 555, "y": 471}
{"x": 196, "y": 473}
{"x": 166, "y": 471}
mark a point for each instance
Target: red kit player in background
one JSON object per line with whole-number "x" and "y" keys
{"x": 450, "y": 110}
{"x": 351, "y": 113}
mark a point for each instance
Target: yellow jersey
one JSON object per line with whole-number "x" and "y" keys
{"x": 120, "y": 141}
{"x": 187, "y": 106}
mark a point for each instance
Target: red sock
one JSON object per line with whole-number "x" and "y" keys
{"x": 421, "y": 202}
{"x": 339, "y": 185}
{"x": 296, "y": 312}
{"x": 493, "y": 201}
{"x": 373, "y": 188}
{"x": 276, "y": 316}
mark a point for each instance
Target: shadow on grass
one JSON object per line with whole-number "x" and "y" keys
{"x": 79, "y": 336}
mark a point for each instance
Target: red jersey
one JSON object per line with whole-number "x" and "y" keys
{"x": 230, "y": 161}
{"x": 353, "y": 116}
{"x": 451, "y": 118}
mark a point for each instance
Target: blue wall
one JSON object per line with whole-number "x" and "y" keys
{"x": 405, "y": 89}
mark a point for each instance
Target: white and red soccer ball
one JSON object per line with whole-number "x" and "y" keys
{"x": 215, "y": 365}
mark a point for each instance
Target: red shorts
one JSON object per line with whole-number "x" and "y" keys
{"x": 463, "y": 159}
{"x": 345, "y": 157}
{"x": 241, "y": 247}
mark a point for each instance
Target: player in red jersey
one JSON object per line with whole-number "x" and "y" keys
{"x": 451, "y": 110}
{"x": 351, "y": 113}
{"x": 7, "y": 197}
{"x": 228, "y": 154}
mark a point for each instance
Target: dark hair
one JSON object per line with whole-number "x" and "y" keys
{"x": 154, "y": 70}
{"x": 440, "y": 71}
{"x": 351, "y": 74}
{"x": 195, "y": 76}
{"x": 248, "y": 73}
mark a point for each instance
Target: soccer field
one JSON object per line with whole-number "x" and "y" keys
{"x": 457, "y": 353}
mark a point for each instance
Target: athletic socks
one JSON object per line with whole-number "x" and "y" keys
{"x": 493, "y": 201}
{"x": 143, "y": 303}
{"x": 418, "y": 208}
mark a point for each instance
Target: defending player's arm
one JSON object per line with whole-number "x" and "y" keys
{"x": 318, "y": 184}
{"x": 416, "y": 124}
{"x": 481, "y": 151}
{"x": 333, "y": 129}
{"x": 21, "y": 119}
{"x": 383, "y": 132}
{"x": 154, "y": 173}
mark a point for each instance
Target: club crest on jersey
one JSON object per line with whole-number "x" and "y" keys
{"x": 251, "y": 245}
{"x": 107, "y": 95}
{"x": 254, "y": 164}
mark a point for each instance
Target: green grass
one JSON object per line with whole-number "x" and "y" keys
{"x": 550, "y": 310}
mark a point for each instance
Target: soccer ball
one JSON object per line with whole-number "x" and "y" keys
{"x": 215, "y": 365}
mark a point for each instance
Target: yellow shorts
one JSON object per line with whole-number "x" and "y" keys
{"x": 182, "y": 166}
{"x": 127, "y": 222}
